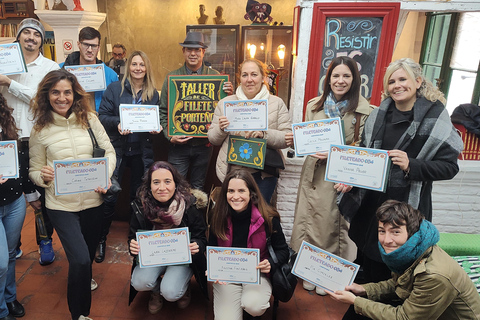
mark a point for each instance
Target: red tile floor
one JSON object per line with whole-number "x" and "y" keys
{"x": 42, "y": 289}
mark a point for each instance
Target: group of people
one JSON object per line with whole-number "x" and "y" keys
{"x": 385, "y": 232}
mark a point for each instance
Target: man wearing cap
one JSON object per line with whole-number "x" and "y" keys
{"x": 188, "y": 152}
{"x": 19, "y": 89}
{"x": 89, "y": 44}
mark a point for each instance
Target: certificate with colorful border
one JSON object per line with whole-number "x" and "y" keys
{"x": 246, "y": 115}
{"x": 11, "y": 59}
{"x": 323, "y": 269}
{"x": 90, "y": 76}
{"x": 164, "y": 247}
{"x": 316, "y": 136}
{"x": 9, "y": 159}
{"x": 77, "y": 176}
{"x": 233, "y": 265}
{"x": 139, "y": 117}
{"x": 360, "y": 167}
{"x": 246, "y": 152}
{"x": 191, "y": 103}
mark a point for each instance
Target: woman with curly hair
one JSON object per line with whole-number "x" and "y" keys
{"x": 62, "y": 115}
{"x": 243, "y": 219}
{"x": 414, "y": 126}
{"x": 165, "y": 201}
{"x": 12, "y": 214}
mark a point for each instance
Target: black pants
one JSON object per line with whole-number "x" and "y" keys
{"x": 135, "y": 163}
{"x": 79, "y": 233}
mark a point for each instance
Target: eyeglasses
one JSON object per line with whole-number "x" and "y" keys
{"x": 85, "y": 46}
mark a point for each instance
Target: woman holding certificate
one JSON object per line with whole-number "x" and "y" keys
{"x": 133, "y": 149}
{"x": 62, "y": 116}
{"x": 429, "y": 283}
{"x": 12, "y": 210}
{"x": 243, "y": 219}
{"x": 413, "y": 124}
{"x": 165, "y": 201}
{"x": 317, "y": 219}
{"x": 253, "y": 86}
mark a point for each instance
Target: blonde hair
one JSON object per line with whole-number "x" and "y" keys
{"x": 414, "y": 71}
{"x": 148, "y": 82}
{"x": 261, "y": 66}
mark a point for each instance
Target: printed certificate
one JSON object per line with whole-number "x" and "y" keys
{"x": 91, "y": 76}
{"x": 9, "y": 159}
{"x": 324, "y": 269}
{"x": 246, "y": 115}
{"x": 164, "y": 247}
{"x": 359, "y": 167}
{"x": 139, "y": 117}
{"x": 76, "y": 176}
{"x": 234, "y": 265}
{"x": 11, "y": 59}
{"x": 317, "y": 136}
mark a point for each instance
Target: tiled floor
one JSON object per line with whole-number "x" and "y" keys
{"x": 42, "y": 289}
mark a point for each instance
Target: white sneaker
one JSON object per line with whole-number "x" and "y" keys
{"x": 308, "y": 286}
{"x": 93, "y": 286}
{"x": 320, "y": 291}
{"x": 84, "y": 318}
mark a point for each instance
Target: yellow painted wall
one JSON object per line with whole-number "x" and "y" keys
{"x": 157, "y": 26}
{"x": 410, "y": 42}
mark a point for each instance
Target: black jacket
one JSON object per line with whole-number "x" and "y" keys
{"x": 109, "y": 116}
{"x": 193, "y": 219}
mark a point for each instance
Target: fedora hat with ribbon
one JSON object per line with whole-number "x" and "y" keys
{"x": 194, "y": 40}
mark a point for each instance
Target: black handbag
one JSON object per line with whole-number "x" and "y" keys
{"x": 98, "y": 152}
{"x": 273, "y": 162}
{"x": 283, "y": 280}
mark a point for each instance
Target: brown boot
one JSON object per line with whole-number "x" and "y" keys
{"x": 184, "y": 301}
{"x": 155, "y": 303}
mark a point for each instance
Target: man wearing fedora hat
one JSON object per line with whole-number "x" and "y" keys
{"x": 187, "y": 152}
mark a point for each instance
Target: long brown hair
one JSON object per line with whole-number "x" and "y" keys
{"x": 222, "y": 211}
{"x": 144, "y": 192}
{"x": 148, "y": 81}
{"x": 7, "y": 122}
{"x": 43, "y": 111}
{"x": 353, "y": 94}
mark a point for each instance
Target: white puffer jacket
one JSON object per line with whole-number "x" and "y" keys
{"x": 65, "y": 139}
{"x": 279, "y": 124}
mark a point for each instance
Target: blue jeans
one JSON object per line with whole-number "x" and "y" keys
{"x": 11, "y": 222}
{"x": 266, "y": 185}
{"x": 173, "y": 284}
{"x": 79, "y": 233}
{"x": 195, "y": 158}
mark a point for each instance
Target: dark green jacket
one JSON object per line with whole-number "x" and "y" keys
{"x": 164, "y": 101}
{"x": 433, "y": 287}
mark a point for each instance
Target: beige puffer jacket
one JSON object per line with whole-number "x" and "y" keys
{"x": 279, "y": 124}
{"x": 65, "y": 139}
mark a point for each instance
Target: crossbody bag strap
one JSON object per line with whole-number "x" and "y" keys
{"x": 271, "y": 251}
{"x": 356, "y": 133}
{"x": 92, "y": 136}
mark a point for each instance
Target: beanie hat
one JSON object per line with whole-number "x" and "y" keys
{"x": 33, "y": 24}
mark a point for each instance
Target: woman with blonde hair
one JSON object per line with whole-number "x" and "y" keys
{"x": 133, "y": 149}
{"x": 414, "y": 126}
{"x": 62, "y": 115}
{"x": 253, "y": 86}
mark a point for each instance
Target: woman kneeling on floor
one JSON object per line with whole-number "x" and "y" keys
{"x": 429, "y": 282}
{"x": 165, "y": 201}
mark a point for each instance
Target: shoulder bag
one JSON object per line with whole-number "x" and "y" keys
{"x": 283, "y": 280}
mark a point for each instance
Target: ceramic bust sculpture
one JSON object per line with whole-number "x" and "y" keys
{"x": 203, "y": 17}
{"x": 59, "y": 5}
{"x": 219, "y": 16}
